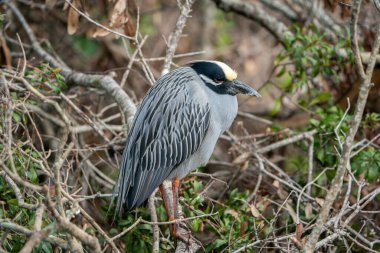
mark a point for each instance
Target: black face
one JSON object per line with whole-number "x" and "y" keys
{"x": 214, "y": 78}
{"x": 210, "y": 70}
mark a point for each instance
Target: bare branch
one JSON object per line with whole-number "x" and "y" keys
{"x": 285, "y": 142}
{"x": 256, "y": 13}
{"x": 8, "y": 225}
{"x": 17, "y": 192}
{"x": 175, "y": 36}
{"x": 354, "y": 38}
{"x": 106, "y": 83}
{"x": 65, "y": 224}
{"x": 153, "y": 218}
{"x": 125, "y": 231}
{"x": 36, "y": 238}
{"x": 347, "y": 146}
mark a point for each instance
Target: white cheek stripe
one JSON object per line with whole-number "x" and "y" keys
{"x": 208, "y": 80}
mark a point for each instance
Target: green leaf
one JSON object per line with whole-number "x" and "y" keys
{"x": 113, "y": 231}
{"x": 46, "y": 247}
{"x": 286, "y": 81}
{"x": 372, "y": 174}
{"x": 12, "y": 202}
{"x": 197, "y": 186}
{"x": 367, "y": 162}
{"x": 282, "y": 71}
{"x": 322, "y": 97}
{"x": 196, "y": 224}
{"x": 87, "y": 47}
{"x": 145, "y": 227}
{"x": 276, "y": 106}
{"x": 321, "y": 155}
{"x": 123, "y": 223}
{"x": 16, "y": 117}
{"x": 32, "y": 175}
{"x": 314, "y": 122}
{"x": 219, "y": 242}
{"x": 55, "y": 88}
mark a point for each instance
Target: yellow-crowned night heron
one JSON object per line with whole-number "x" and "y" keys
{"x": 176, "y": 128}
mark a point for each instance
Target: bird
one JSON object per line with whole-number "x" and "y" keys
{"x": 175, "y": 129}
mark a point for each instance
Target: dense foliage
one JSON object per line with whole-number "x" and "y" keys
{"x": 61, "y": 142}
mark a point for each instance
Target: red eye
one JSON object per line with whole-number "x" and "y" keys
{"x": 218, "y": 80}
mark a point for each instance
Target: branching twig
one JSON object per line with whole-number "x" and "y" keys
{"x": 125, "y": 231}
{"x": 175, "y": 36}
{"x": 257, "y": 13}
{"x": 106, "y": 83}
{"x": 65, "y": 224}
{"x": 285, "y": 142}
{"x": 156, "y": 229}
{"x": 20, "y": 229}
{"x": 361, "y": 102}
{"x": 17, "y": 192}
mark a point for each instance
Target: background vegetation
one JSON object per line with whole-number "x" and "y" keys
{"x": 298, "y": 170}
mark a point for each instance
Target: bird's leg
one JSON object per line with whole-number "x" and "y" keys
{"x": 166, "y": 204}
{"x": 175, "y": 185}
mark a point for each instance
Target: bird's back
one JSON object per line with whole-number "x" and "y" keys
{"x": 168, "y": 128}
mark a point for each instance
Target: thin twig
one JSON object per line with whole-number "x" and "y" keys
{"x": 127, "y": 230}
{"x": 286, "y": 142}
{"x": 106, "y": 83}
{"x": 17, "y": 192}
{"x": 310, "y": 165}
{"x": 175, "y": 36}
{"x": 347, "y": 146}
{"x": 156, "y": 229}
{"x": 75, "y": 231}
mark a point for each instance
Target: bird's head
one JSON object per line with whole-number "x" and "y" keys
{"x": 221, "y": 78}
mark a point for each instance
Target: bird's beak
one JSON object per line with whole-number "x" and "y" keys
{"x": 243, "y": 88}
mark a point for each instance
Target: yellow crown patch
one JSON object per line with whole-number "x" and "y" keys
{"x": 229, "y": 73}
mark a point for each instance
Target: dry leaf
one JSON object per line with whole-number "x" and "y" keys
{"x": 6, "y": 53}
{"x": 276, "y": 184}
{"x": 308, "y": 210}
{"x": 100, "y": 32}
{"x": 65, "y": 6}
{"x": 299, "y": 229}
{"x": 233, "y": 213}
{"x": 132, "y": 7}
{"x": 129, "y": 28}
{"x": 50, "y": 3}
{"x": 254, "y": 211}
{"x": 260, "y": 225}
{"x": 320, "y": 201}
{"x": 330, "y": 4}
{"x": 241, "y": 158}
{"x": 250, "y": 66}
{"x": 73, "y": 19}
{"x": 243, "y": 227}
{"x": 118, "y": 12}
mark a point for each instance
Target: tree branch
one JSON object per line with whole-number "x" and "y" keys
{"x": 347, "y": 146}
{"x": 176, "y": 34}
{"x": 256, "y": 13}
{"x": 107, "y": 83}
{"x": 156, "y": 229}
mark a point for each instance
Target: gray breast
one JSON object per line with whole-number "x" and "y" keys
{"x": 223, "y": 110}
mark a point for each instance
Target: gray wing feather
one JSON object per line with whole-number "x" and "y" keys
{"x": 168, "y": 128}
